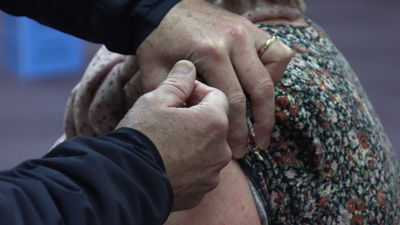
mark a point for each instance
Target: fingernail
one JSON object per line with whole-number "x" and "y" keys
{"x": 264, "y": 142}
{"x": 182, "y": 68}
{"x": 240, "y": 152}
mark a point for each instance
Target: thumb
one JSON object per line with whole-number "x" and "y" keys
{"x": 179, "y": 85}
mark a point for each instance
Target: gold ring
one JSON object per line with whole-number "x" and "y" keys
{"x": 265, "y": 46}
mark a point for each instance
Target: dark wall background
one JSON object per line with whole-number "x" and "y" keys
{"x": 366, "y": 31}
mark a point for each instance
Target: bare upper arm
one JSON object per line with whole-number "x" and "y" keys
{"x": 230, "y": 203}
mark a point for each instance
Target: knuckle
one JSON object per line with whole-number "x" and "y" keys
{"x": 285, "y": 52}
{"x": 218, "y": 126}
{"x": 234, "y": 32}
{"x": 214, "y": 49}
{"x": 213, "y": 124}
{"x": 223, "y": 158}
{"x": 177, "y": 87}
{"x": 145, "y": 99}
{"x": 265, "y": 87}
{"x": 226, "y": 158}
{"x": 237, "y": 102}
{"x": 213, "y": 183}
{"x": 237, "y": 33}
{"x": 222, "y": 126}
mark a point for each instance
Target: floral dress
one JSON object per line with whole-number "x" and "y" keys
{"x": 329, "y": 161}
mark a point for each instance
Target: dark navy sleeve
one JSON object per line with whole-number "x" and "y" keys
{"x": 121, "y": 25}
{"x": 118, "y": 178}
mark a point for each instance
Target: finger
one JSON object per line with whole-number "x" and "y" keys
{"x": 258, "y": 85}
{"x": 276, "y": 58}
{"x": 204, "y": 95}
{"x": 219, "y": 73}
{"x": 178, "y": 86}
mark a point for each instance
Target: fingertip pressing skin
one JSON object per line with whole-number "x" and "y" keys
{"x": 179, "y": 84}
{"x": 206, "y": 95}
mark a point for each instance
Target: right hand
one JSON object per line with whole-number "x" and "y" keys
{"x": 188, "y": 123}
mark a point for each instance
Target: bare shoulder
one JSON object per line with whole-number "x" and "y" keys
{"x": 230, "y": 203}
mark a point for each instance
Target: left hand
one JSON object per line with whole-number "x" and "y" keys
{"x": 223, "y": 46}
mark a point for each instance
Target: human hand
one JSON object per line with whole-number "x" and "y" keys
{"x": 223, "y": 46}
{"x": 187, "y": 121}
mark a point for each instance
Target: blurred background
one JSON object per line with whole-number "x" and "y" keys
{"x": 32, "y": 105}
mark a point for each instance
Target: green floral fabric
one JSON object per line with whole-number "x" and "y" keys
{"x": 329, "y": 161}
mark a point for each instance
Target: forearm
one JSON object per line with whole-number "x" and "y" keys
{"x": 116, "y": 179}
{"x": 120, "y": 25}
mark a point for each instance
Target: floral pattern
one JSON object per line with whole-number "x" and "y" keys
{"x": 329, "y": 161}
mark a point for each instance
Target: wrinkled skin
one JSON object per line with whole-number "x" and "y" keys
{"x": 223, "y": 46}
{"x": 188, "y": 123}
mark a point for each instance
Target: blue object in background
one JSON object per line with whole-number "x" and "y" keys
{"x": 32, "y": 51}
